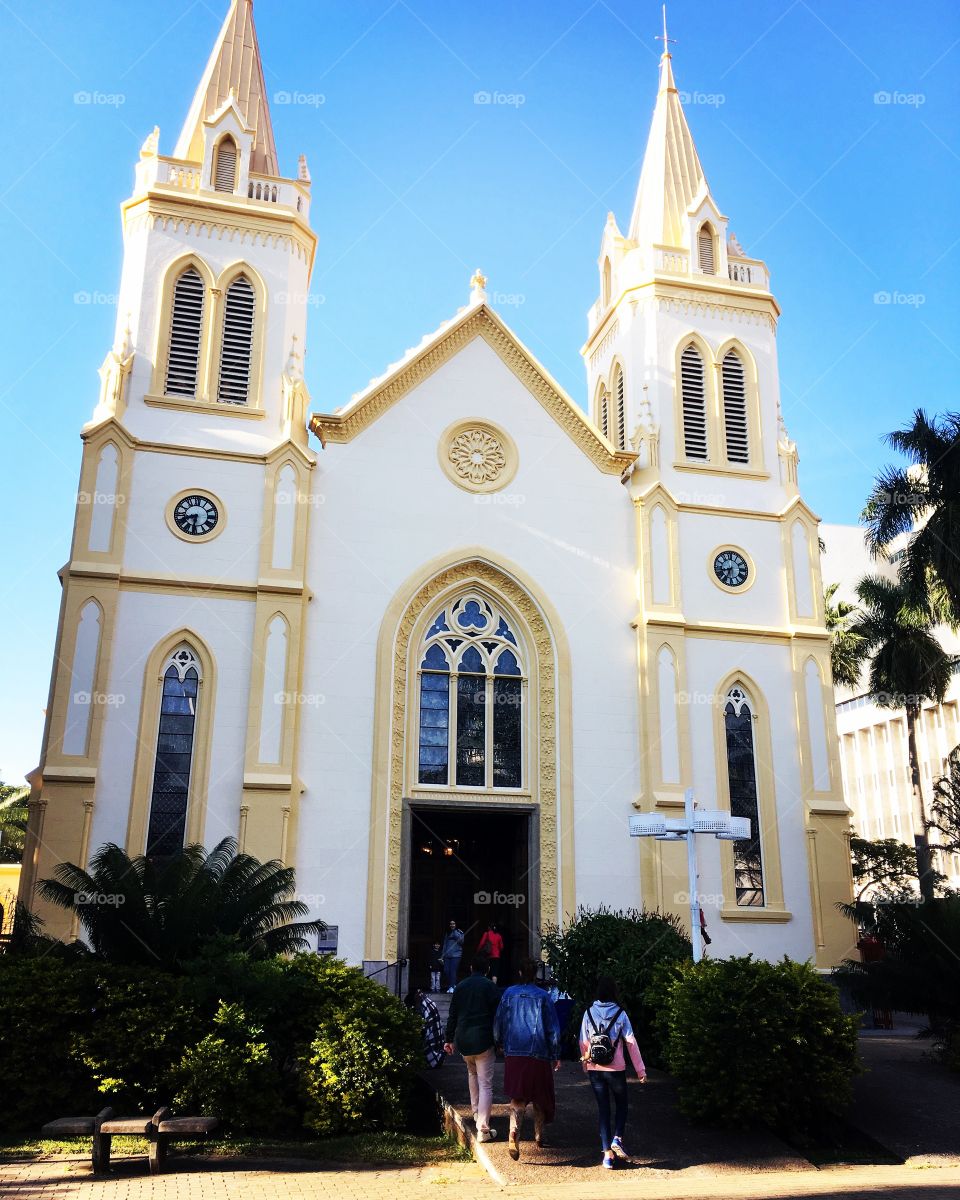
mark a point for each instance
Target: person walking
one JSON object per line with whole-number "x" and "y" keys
{"x": 527, "y": 1029}
{"x": 451, "y": 954}
{"x": 429, "y": 1014}
{"x": 603, "y": 1032}
{"x": 491, "y": 944}
{"x": 470, "y": 1032}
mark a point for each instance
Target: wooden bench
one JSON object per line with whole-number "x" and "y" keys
{"x": 159, "y": 1130}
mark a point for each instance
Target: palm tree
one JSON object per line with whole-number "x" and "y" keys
{"x": 945, "y": 809}
{"x": 162, "y": 912}
{"x": 846, "y": 648}
{"x": 907, "y": 666}
{"x": 922, "y": 500}
{"x": 13, "y": 822}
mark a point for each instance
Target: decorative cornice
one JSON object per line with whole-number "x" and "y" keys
{"x": 479, "y": 322}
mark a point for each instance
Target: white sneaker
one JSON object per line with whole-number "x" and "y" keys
{"x": 449, "y": 991}
{"x": 486, "y": 1135}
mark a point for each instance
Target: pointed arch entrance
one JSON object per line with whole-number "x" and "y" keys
{"x": 541, "y": 807}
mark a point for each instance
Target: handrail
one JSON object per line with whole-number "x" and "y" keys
{"x": 398, "y": 978}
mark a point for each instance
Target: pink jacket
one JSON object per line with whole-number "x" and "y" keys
{"x": 621, "y": 1033}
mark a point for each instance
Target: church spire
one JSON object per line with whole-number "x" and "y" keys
{"x": 233, "y": 71}
{"x": 671, "y": 177}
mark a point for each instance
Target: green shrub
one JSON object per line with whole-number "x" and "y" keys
{"x": 231, "y": 1074}
{"x": 630, "y": 945}
{"x": 756, "y": 1043}
{"x": 359, "y": 1068}
{"x": 42, "y": 1004}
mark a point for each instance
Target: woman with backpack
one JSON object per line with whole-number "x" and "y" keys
{"x": 603, "y": 1032}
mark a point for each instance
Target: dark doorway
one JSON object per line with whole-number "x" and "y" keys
{"x": 473, "y": 867}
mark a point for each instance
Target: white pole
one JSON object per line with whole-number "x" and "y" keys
{"x": 695, "y": 935}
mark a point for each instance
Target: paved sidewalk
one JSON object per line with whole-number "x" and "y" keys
{"x": 217, "y": 1179}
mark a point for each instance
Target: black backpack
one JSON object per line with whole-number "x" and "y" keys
{"x": 600, "y": 1049}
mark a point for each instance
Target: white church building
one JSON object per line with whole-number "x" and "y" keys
{"x": 435, "y": 647}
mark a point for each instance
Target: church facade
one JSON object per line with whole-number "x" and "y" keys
{"x": 435, "y": 647}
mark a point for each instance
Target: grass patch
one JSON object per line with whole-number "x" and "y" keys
{"x": 382, "y": 1149}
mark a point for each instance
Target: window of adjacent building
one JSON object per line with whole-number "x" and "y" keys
{"x": 471, "y": 699}
{"x": 170, "y": 794}
{"x": 186, "y": 328}
{"x": 225, "y": 166}
{"x": 236, "y": 348}
{"x": 735, "y": 426}
{"x": 694, "y": 403}
{"x": 744, "y": 798}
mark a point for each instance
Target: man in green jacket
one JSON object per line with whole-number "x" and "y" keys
{"x": 470, "y": 1031}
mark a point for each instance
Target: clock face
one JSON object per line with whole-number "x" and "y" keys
{"x": 196, "y": 515}
{"x": 731, "y": 568}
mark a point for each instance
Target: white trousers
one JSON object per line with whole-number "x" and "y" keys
{"x": 480, "y": 1079}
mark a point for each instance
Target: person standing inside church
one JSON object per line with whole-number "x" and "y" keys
{"x": 491, "y": 944}
{"x": 451, "y": 954}
{"x": 470, "y": 1032}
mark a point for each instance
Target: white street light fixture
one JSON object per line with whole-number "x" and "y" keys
{"x": 723, "y": 826}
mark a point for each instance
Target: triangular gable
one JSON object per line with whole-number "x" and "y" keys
{"x": 475, "y": 321}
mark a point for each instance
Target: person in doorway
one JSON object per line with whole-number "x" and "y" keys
{"x": 491, "y": 944}
{"x": 603, "y": 1032}
{"x": 428, "y": 1012}
{"x": 436, "y": 967}
{"x": 451, "y": 953}
{"x": 527, "y": 1029}
{"x": 470, "y": 1032}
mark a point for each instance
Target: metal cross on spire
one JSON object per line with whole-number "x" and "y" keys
{"x": 666, "y": 40}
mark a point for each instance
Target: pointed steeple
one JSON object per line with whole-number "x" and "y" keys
{"x": 234, "y": 70}
{"x": 672, "y": 176}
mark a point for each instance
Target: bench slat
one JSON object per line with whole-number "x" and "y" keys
{"x": 68, "y": 1126}
{"x": 175, "y": 1126}
{"x": 132, "y": 1125}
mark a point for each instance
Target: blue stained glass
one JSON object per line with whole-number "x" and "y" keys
{"x": 439, "y": 626}
{"x": 434, "y": 724}
{"x": 435, "y": 660}
{"x": 453, "y": 643}
{"x": 507, "y": 664}
{"x": 170, "y": 793}
{"x": 472, "y": 662}
{"x": 503, "y": 630}
{"x": 472, "y": 617}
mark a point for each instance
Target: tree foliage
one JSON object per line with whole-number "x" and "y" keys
{"x": 846, "y": 647}
{"x": 13, "y": 822}
{"x": 945, "y": 809}
{"x": 887, "y": 867}
{"x": 162, "y": 912}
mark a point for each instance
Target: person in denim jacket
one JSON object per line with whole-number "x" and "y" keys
{"x": 527, "y": 1029}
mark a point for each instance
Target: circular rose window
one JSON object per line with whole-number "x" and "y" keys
{"x": 477, "y": 456}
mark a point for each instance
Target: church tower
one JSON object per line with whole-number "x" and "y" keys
{"x": 184, "y": 595}
{"x": 681, "y": 360}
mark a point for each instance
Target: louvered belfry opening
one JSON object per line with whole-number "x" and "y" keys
{"x": 604, "y": 414}
{"x": 236, "y": 349}
{"x": 735, "y": 409}
{"x": 693, "y": 393}
{"x": 621, "y": 410}
{"x": 705, "y": 250}
{"x": 225, "y": 168}
{"x": 186, "y": 326}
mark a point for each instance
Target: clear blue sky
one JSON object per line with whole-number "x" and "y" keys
{"x": 415, "y": 185}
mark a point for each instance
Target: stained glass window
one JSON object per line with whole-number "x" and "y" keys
{"x": 742, "y": 776}
{"x": 171, "y": 775}
{"x": 471, "y": 699}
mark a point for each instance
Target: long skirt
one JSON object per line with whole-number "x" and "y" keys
{"x": 531, "y": 1081}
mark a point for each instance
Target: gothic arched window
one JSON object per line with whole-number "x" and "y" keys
{"x": 694, "y": 403}
{"x": 738, "y": 721}
{"x": 225, "y": 166}
{"x": 471, "y": 699}
{"x": 705, "y": 250}
{"x": 186, "y": 328}
{"x": 236, "y": 346}
{"x": 170, "y": 793}
{"x": 606, "y": 284}
{"x": 603, "y": 411}
{"x": 735, "y": 425}
{"x": 620, "y": 404}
